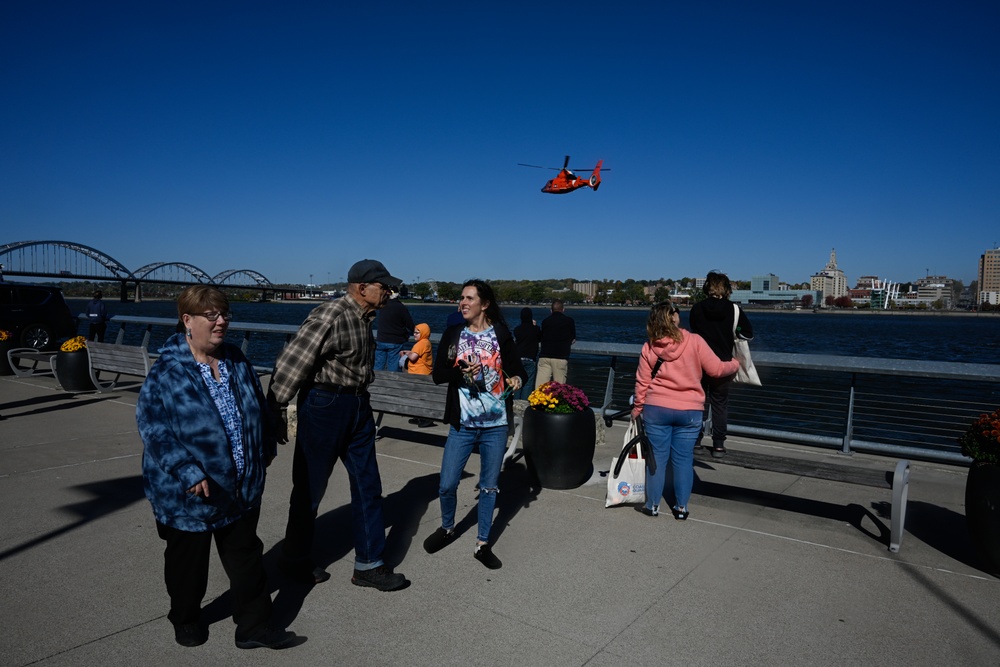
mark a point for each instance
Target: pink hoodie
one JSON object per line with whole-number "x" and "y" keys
{"x": 677, "y": 385}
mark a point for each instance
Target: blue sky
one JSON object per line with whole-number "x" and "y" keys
{"x": 295, "y": 138}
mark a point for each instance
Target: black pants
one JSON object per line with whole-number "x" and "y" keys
{"x": 185, "y": 569}
{"x": 96, "y": 332}
{"x": 716, "y": 400}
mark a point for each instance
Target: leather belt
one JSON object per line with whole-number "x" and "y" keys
{"x": 341, "y": 389}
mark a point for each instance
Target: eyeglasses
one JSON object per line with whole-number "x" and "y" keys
{"x": 384, "y": 288}
{"x": 213, "y": 315}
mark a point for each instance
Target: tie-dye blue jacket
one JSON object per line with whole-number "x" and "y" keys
{"x": 184, "y": 440}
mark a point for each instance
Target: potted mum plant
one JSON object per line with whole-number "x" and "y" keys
{"x": 560, "y": 433}
{"x": 6, "y": 343}
{"x": 981, "y": 443}
{"x": 73, "y": 365}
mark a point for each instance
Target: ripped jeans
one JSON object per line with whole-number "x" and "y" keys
{"x": 492, "y": 445}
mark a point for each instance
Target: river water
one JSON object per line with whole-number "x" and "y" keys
{"x": 969, "y": 338}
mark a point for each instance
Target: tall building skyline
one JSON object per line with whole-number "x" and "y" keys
{"x": 831, "y": 281}
{"x": 989, "y": 277}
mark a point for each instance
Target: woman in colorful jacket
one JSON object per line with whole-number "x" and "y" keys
{"x": 480, "y": 363}
{"x": 670, "y": 400}
{"x": 206, "y": 443}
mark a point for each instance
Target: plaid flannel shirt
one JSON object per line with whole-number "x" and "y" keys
{"x": 334, "y": 346}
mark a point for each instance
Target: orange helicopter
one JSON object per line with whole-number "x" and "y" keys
{"x": 566, "y": 181}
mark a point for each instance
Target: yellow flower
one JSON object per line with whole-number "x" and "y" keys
{"x": 4, "y": 335}
{"x": 74, "y": 344}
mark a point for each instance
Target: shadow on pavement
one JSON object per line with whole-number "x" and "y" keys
{"x": 107, "y": 496}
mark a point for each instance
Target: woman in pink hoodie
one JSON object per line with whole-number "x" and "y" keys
{"x": 670, "y": 399}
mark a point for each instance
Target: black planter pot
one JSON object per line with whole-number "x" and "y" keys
{"x": 982, "y": 511}
{"x": 5, "y": 368}
{"x": 73, "y": 371}
{"x": 559, "y": 448}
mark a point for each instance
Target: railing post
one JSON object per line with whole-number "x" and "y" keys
{"x": 609, "y": 389}
{"x": 849, "y": 431}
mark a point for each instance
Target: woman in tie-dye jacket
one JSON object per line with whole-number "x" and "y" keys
{"x": 206, "y": 443}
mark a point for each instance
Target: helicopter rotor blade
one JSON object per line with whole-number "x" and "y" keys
{"x": 521, "y": 164}
{"x": 566, "y": 163}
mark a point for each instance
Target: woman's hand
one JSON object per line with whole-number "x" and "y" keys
{"x": 515, "y": 382}
{"x": 636, "y": 411}
{"x": 200, "y": 489}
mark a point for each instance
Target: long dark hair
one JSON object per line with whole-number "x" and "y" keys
{"x": 485, "y": 292}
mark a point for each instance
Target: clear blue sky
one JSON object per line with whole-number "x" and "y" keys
{"x": 295, "y": 138}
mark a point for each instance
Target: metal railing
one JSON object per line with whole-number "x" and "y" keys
{"x": 896, "y": 407}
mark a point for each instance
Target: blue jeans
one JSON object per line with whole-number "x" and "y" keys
{"x": 492, "y": 445}
{"x": 672, "y": 434}
{"x": 529, "y": 386}
{"x": 387, "y": 356}
{"x": 335, "y": 426}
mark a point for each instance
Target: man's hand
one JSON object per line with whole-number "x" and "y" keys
{"x": 279, "y": 414}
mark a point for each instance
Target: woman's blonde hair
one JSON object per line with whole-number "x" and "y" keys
{"x": 661, "y": 323}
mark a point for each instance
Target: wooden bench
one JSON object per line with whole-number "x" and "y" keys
{"x": 417, "y": 396}
{"x": 29, "y": 354}
{"x": 117, "y": 359}
{"x": 897, "y": 480}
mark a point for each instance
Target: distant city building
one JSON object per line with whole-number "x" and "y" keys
{"x": 766, "y": 283}
{"x": 586, "y": 289}
{"x": 831, "y": 281}
{"x": 769, "y": 290}
{"x": 989, "y": 275}
{"x": 883, "y": 293}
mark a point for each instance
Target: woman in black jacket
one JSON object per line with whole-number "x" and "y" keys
{"x": 479, "y": 362}
{"x": 712, "y": 319}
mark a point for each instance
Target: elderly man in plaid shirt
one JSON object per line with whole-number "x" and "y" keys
{"x": 329, "y": 364}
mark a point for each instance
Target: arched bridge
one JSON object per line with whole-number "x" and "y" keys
{"x": 75, "y": 261}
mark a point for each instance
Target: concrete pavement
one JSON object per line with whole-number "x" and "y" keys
{"x": 770, "y": 569}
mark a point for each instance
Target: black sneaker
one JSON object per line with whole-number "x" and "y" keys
{"x": 649, "y": 512}
{"x": 485, "y": 556}
{"x": 438, "y": 540}
{"x": 380, "y": 577}
{"x": 190, "y": 634}
{"x": 267, "y": 638}
{"x": 718, "y": 452}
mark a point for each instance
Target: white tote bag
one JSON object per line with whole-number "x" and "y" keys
{"x": 627, "y": 477}
{"x": 747, "y": 373}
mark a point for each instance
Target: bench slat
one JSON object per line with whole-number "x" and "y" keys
{"x": 816, "y": 469}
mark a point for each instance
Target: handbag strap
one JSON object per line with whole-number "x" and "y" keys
{"x": 736, "y": 319}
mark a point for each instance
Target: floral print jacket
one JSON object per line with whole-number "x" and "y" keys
{"x": 184, "y": 440}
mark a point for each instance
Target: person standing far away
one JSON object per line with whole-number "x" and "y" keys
{"x": 527, "y": 335}
{"x": 558, "y": 336}
{"x": 479, "y": 362}
{"x": 97, "y": 317}
{"x": 329, "y": 365}
{"x": 420, "y": 361}
{"x": 712, "y": 319}
{"x": 393, "y": 326}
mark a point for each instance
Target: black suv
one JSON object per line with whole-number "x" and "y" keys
{"x": 36, "y": 315}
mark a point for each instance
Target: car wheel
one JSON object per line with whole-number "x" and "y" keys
{"x": 37, "y": 336}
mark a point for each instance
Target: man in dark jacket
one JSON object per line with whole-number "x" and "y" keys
{"x": 558, "y": 336}
{"x": 393, "y": 326}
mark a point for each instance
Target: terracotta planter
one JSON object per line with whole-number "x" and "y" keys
{"x": 559, "y": 448}
{"x": 73, "y": 371}
{"x": 982, "y": 511}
